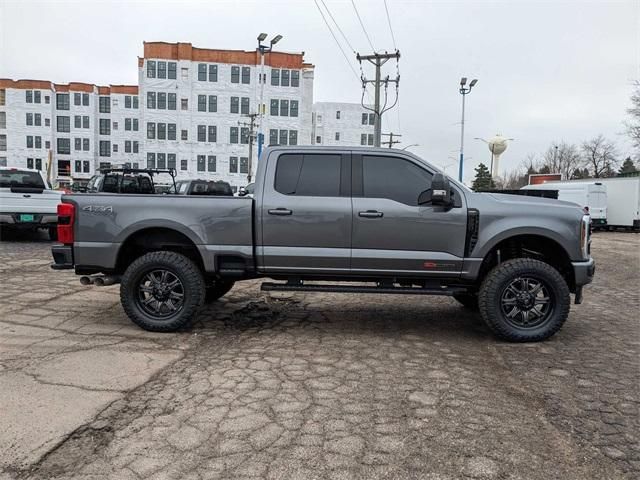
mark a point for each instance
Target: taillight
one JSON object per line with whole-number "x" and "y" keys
{"x": 66, "y": 216}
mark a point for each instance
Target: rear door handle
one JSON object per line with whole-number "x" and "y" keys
{"x": 370, "y": 214}
{"x": 280, "y": 211}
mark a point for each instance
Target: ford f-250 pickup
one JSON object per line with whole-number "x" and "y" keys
{"x": 360, "y": 220}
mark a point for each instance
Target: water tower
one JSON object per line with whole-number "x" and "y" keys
{"x": 497, "y": 146}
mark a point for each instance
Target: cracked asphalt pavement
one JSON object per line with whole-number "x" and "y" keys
{"x": 314, "y": 385}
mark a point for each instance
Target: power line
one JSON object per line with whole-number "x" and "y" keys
{"x": 336, "y": 40}
{"x": 362, "y": 25}
{"x": 338, "y": 27}
{"x": 393, "y": 37}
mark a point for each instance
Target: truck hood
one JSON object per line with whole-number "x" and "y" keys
{"x": 519, "y": 201}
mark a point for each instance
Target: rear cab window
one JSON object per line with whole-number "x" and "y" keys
{"x": 21, "y": 179}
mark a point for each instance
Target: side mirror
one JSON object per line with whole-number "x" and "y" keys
{"x": 440, "y": 191}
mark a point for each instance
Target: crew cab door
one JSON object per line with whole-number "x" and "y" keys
{"x": 306, "y": 213}
{"x": 392, "y": 234}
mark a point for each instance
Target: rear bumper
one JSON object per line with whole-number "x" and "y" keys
{"x": 584, "y": 271}
{"x": 62, "y": 257}
{"x": 39, "y": 220}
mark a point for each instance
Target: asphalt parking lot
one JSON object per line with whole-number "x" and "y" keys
{"x": 314, "y": 386}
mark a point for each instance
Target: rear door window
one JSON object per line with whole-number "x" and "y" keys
{"x": 393, "y": 178}
{"x": 311, "y": 175}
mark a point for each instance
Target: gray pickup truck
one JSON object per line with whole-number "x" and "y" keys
{"x": 360, "y": 220}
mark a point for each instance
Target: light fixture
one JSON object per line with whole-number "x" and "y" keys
{"x": 463, "y": 81}
{"x": 473, "y": 82}
{"x": 262, "y": 37}
{"x": 276, "y": 39}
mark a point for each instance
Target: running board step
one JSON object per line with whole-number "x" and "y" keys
{"x": 299, "y": 287}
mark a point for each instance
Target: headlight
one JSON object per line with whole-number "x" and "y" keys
{"x": 585, "y": 236}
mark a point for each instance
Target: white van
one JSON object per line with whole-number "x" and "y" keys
{"x": 591, "y": 196}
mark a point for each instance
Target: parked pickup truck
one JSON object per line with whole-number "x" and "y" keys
{"x": 27, "y": 202}
{"x": 360, "y": 220}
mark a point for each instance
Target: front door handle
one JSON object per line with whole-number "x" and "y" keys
{"x": 370, "y": 214}
{"x": 280, "y": 211}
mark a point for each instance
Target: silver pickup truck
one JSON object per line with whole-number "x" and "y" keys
{"x": 360, "y": 220}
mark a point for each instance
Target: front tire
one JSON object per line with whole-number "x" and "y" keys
{"x": 524, "y": 300}
{"x": 162, "y": 291}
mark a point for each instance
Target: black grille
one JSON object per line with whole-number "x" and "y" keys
{"x": 473, "y": 227}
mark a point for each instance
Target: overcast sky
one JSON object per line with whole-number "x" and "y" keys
{"x": 547, "y": 70}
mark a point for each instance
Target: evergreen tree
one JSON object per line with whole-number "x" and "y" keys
{"x": 627, "y": 167}
{"x": 483, "y": 180}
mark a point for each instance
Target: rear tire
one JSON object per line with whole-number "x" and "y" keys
{"x": 468, "y": 301}
{"x": 162, "y": 291}
{"x": 217, "y": 290}
{"x": 524, "y": 300}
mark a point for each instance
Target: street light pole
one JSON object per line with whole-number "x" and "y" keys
{"x": 263, "y": 49}
{"x": 463, "y": 91}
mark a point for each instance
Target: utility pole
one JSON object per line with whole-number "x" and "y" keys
{"x": 251, "y": 124}
{"x": 464, "y": 91}
{"x": 378, "y": 60}
{"x": 391, "y": 141}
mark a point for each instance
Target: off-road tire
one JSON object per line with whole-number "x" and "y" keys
{"x": 496, "y": 282}
{"x": 183, "y": 268}
{"x": 217, "y": 290}
{"x": 468, "y": 301}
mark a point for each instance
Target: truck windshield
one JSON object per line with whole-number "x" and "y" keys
{"x": 20, "y": 178}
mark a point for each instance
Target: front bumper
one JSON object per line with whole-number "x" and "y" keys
{"x": 62, "y": 257}
{"x": 583, "y": 272}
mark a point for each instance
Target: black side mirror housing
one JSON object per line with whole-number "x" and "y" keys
{"x": 440, "y": 191}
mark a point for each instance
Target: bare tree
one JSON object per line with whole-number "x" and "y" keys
{"x": 633, "y": 125}
{"x": 600, "y": 156}
{"x": 561, "y": 158}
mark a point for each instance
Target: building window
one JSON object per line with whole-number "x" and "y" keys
{"x": 136, "y": 146}
{"x": 171, "y": 131}
{"x": 213, "y": 103}
{"x": 273, "y": 136}
{"x": 202, "y": 133}
{"x": 213, "y": 73}
{"x": 86, "y": 166}
{"x": 127, "y": 124}
{"x": 284, "y": 137}
{"x": 127, "y": 146}
{"x": 337, "y": 136}
{"x": 212, "y": 134}
{"x": 63, "y": 124}
{"x": 284, "y": 78}
{"x": 275, "y": 77}
{"x": 3, "y": 143}
{"x": 115, "y": 147}
{"x": 235, "y": 104}
{"x": 3, "y": 119}
{"x": 104, "y": 105}
{"x": 184, "y": 103}
{"x": 47, "y": 144}
{"x": 184, "y": 134}
{"x": 151, "y": 69}
{"x": 77, "y": 121}
{"x": 38, "y": 141}
{"x": 246, "y": 75}
{"x": 151, "y": 100}
{"x": 3, "y": 97}
{"x": 29, "y": 162}
{"x": 202, "y": 103}
{"x": 162, "y": 69}
{"x": 114, "y": 125}
{"x": 3, "y": 161}
{"x": 244, "y": 164}
{"x": 363, "y": 138}
{"x": 85, "y": 121}
{"x": 201, "y": 163}
{"x": 274, "y": 108}
{"x": 38, "y": 164}
{"x": 29, "y": 119}
{"x": 47, "y": 99}
{"x": 151, "y": 160}
{"x": 151, "y": 130}
{"x": 295, "y": 78}
{"x": 37, "y": 119}
{"x": 64, "y": 146}
{"x": 64, "y": 168}
{"x": 62, "y": 101}
{"x": 127, "y": 101}
{"x": 244, "y": 106}
{"x": 235, "y": 74}
{"x": 184, "y": 164}
{"x": 244, "y": 135}
{"x": 28, "y": 96}
{"x": 171, "y": 161}
{"x": 162, "y": 101}
{"x": 293, "y": 137}
{"x": 318, "y": 139}
{"x": 29, "y": 141}
{"x": 284, "y": 108}
{"x": 162, "y": 160}
{"x": 211, "y": 163}
{"x": 171, "y": 104}
{"x": 233, "y": 164}
{"x": 85, "y": 144}
{"x": 233, "y": 135}
{"x": 171, "y": 74}
{"x": 104, "y": 165}
{"x": 162, "y": 131}
{"x": 105, "y": 148}
{"x": 85, "y": 99}
{"x": 77, "y": 98}
{"x": 337, "y": 114}
{"x": 105, "y": 126}
{"x": 47, "y": 122}
{"x": 364, "y": 119}
{"x": 77, "y": 144}
{"x": 36, "y": 96}
{"x": 202, "y": 72}
{"x": 370, "y": 139}
{"x": 294, "y": 108}
{"x": 135, "y": 125}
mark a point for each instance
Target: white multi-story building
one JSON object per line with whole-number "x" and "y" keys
{"x": 192, "y": 111}
{"x": 344, "y": 124}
